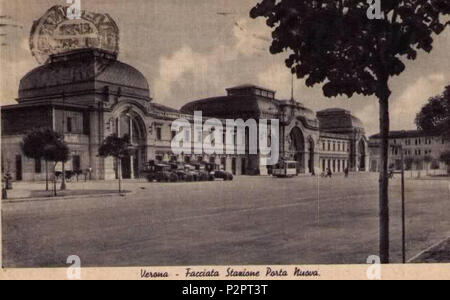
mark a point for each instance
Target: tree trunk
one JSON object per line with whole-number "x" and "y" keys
{"x": 119, "y": 173}
{"x": 54, "y": 181}
{"x": 384, "y": 179}
{"x": 46, "y": 176}
{"x": 63, "y": 180}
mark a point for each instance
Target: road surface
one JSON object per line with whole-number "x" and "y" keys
{"x": 250, "y": 221}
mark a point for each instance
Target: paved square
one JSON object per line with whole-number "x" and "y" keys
{"x": 250, "y": 221}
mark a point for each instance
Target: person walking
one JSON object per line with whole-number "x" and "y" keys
{"x": 346, "y": 172}
{"x": 329, "y": 173}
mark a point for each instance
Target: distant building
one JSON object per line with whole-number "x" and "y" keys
{"x": 88, "y": 94}
{"x": 343, "y": 143}
{"x": 421, "y": 151}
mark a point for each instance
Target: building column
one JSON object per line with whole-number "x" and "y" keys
{"x": 132, "y": 170}
{"x": 263, "y": 171}
{"x": 229, "y": 164}
{"x": 239, "y": 165}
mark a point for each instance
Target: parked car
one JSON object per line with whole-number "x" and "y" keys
{"x": 180, "y": 170}
{"x": 217, "y": 173}
{"x": 202, "y": 173}
{"x": 191, "y": 173}
{"x": 161, "y": 173}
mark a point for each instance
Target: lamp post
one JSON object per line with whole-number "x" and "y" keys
{"x": 63, "y": 181}
{"x": 402, "y": 155}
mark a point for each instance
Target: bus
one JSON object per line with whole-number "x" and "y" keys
{"x": 285, "y": 169}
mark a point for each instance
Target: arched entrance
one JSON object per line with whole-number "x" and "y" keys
{"x": 311, "y": 149}
{"x": 298, "y": 147}
{"x": 362, "y": 156}
{"x": 130, "y": 123}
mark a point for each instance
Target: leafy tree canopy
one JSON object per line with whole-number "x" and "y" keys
{"x": 45, "y": 144}
{"x": 435, "y": 115}
{"x": 334, "y": 42}
{"x": 56, "y": 152}
{"x": 115, "y": 146}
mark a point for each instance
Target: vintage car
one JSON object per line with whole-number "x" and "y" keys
{"x": 180, "y": 170}
{"x": 203, "y": 174}
{"x": 191, "y": 173}
{"x": 161, "y": 173}
{"x": 216, "y": 173}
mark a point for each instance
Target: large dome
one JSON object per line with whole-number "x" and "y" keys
{"x": 338, "y": 120}
{"x": 80, "y": 69}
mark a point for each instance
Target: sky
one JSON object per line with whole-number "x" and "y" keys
{"x": 190, "y": 49}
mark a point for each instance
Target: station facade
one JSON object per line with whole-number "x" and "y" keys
{"x": 88, "y": 94}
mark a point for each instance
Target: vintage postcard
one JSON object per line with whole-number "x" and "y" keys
{"x": 225, "y": 139}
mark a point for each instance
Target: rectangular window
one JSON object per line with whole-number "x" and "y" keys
{"x": 69, "y": 125}
{"x": 86, "y": 124}
{"x": 37, "y": 166}
{"x": 76, "y": 163}
{"x": 19, "y": 168}
{"x": 159, "y": 133}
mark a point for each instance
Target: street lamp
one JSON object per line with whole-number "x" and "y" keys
{"x": 402, "y": 155}
{"x": 63, "y": 181}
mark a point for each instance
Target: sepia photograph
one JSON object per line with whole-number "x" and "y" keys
{"x": 232, "y": 139}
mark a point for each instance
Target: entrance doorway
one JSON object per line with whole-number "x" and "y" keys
{"x": 233, "y": 166}
{"x": 311, "y": 156}
{"x": 298, "y": 146}
{"x": 131, "y": 125}
{"x": 362, "y": 155}
{"x": 19, "y": 175}
{"x": 126, "y": 167}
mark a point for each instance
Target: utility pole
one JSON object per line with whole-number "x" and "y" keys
{"x": 403, "y": 207}
{"x": 292, "y": 87}
{"x": 402, "y": 156}
{"x": 63, "y": 181}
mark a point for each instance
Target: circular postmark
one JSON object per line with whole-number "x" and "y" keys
{"x": 55, "y": 33}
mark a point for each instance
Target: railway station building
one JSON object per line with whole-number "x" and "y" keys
{"x": 88, "y": 94}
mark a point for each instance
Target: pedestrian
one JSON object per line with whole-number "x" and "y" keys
{"x": 346, "y": 172}
{"x": 329, "y": 173}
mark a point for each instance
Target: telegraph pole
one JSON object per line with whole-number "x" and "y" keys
{"x": 403, "y": 207}
{"x": 402, "y": 157}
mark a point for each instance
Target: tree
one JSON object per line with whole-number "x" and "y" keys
{"x": 33, "y": 146}
{"x": 434, "y": 118}
{"x": 45, "y": 144}
{"x": 118, "y": 148}
{"x": 445, "y": 158}
{"x": 56, "y": 151}
{"x": 334, "y": 43}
